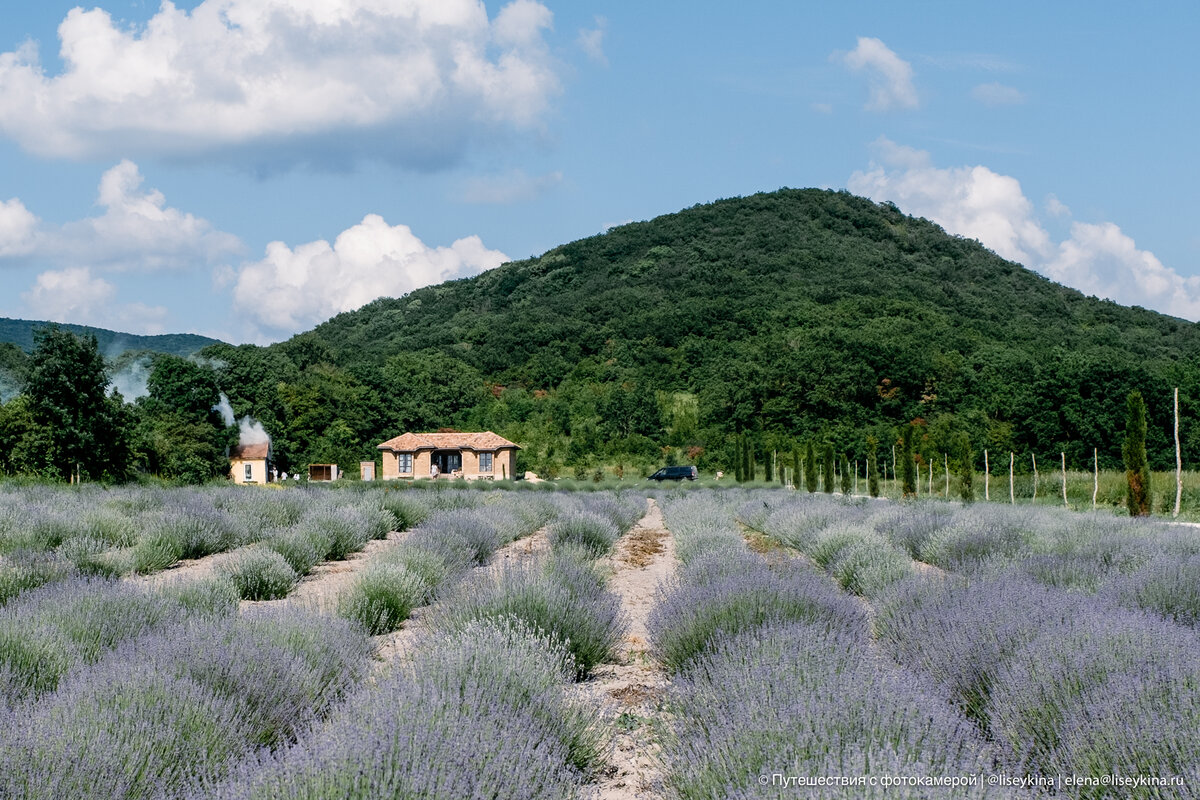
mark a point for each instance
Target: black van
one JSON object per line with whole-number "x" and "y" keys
{"x": 675, "y": 474}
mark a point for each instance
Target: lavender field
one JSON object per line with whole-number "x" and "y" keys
{"x": 372, "y": 642}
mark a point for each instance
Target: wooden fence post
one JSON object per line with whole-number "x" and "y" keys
{"x": 1064, "y": 477}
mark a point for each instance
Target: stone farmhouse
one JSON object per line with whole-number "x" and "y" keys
{"x": 472, "y": 456}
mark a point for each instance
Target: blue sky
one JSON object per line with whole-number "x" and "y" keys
{"x": 247, "y": 168}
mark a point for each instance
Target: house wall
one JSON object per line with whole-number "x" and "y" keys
{"x": 421, "y": 462}
{"x": 258, "y": 470}
{"x": 506, "y": 464}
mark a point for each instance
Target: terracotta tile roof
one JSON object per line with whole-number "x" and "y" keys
{"x": 411, "y": 442}
{"x": 250, "y": 452}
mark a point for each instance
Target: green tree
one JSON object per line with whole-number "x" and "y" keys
{"x": 179, "y": 433}
{"x": 796, "y": 475}
{"x": 810, "y": 468}
{"x": 873, "y": 466}
{"x": 827, "y": 468}
{"x": 1137, "y": 470}
{"x": 908, "y": 464}
{"x": 769, "y": 465}
{"x": 86, "y": 429}
{"x": 428, "y": 390}
{"x": 737, "y": 459}
{"x": 847, "y": 478}
{"x": 966, "y": 469}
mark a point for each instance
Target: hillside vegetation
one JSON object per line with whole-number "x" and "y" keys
{"x": 19, "y": 332}
{"x": 785, "y": 316}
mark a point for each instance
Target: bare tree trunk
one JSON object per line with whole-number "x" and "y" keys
{"x": 1095, "y": 475}
{"x": 1012, "y": 457}
{"x": 1064, "y": 477}
{"x": 930, "y": 492}
{"x": 893, "y": 468}
{"x": 1178, "y": 459}
{"x": 946, "y": 467}
{"x": 856, "y": 477}
{"x": 1035, "y": 475}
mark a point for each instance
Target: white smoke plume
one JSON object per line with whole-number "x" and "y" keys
{"x": 225, "y": 409}
{"x": 251, "y": 431}
{"x": 131, "y": 380}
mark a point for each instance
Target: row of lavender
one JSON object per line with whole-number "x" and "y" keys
{"x": 479, "y": 710}
{"x": 1132, "y": 563}
{"x": 1067, "y": 639}
{"x": 111, "y": 690}
{"x": 52, "y": 533}
{"x": 775, "y": 677}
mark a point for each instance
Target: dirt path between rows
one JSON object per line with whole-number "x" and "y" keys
{"x": 629, "y": 691}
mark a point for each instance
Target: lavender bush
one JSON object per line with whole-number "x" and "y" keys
{"x": 382, "y": 597}
{"x": 302, "y": 547}
{"x": 259, "y": 574}
{"x": 480, "y": 713}
{"x": 595, "y": 533}
{"x": 804, "y": 699}
{"x": 563, "y": 599}
{"x": 1168, "y": 585}
{"x": 688, "y": 619}
{"x": 119, "y": 731}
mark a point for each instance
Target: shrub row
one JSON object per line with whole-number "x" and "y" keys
{"x": 1064, "y": 683}
{"x": 436, "y": 553}
{"x": 178, "y": 706}
{"x": 773, "y": 673}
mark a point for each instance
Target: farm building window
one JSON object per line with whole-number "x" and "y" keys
{"x": 405, "y": 460}
{"x": 249, "y": 472}
{"x": 485, "y": 462}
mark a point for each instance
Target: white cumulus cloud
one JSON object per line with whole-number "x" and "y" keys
{"x": 294, "y": 288}
{"x": 17, "y": 227}
{"x": 890, "y": 77}
{"x": 411, "y": 81}
{"x": 137, "y": 230}
{"x": 974, "y": 201}
{"x": 77, "y": 296}
{"x": 970, "y": 201}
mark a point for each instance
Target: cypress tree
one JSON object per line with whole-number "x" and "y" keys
{"x": 908, "y": 466}
{"x": 737, "y": 458}
{"x": 1137, "y": 471}
{"x": 810, "y": 468}
{"x": 749, "y": 466}
{"x": 827, "y": 468}
{"x": 966, "y": 469}
{"x": 770, "y": 467}
{"x": 873, "y": 466}
{"x": 847, "y": 484}
{"x": 796, "y": 467}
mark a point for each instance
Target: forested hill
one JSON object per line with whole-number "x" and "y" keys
{"x": 112, "y": 344}
{"x": 788, "y": 316}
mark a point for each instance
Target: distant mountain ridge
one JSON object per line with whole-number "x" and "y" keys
{"x": 112, "y": 344}
{"x": 782, "y": 317}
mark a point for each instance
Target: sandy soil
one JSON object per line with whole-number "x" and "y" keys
{"x": 629, "y": 691}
